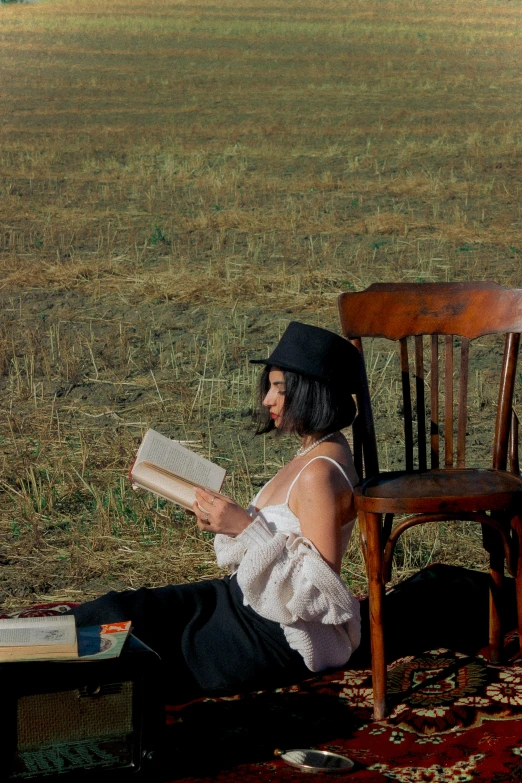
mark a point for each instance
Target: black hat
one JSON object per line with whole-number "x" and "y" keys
{"x": 316, "y": 352}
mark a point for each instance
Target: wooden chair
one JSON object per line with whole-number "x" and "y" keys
{"x": 491, "y": 496}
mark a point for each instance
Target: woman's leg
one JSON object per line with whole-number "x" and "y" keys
{"x": 237, "y": 650}
{"x": 159, "y": 617}
{"x": 209, "y": 642}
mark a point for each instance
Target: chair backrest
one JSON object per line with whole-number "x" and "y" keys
{"x": 459, "y": 312}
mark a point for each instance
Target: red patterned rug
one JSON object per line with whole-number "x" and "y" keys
{"x": 454, "y": 717}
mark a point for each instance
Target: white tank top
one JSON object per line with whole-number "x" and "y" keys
{"x": 280, "y": 518}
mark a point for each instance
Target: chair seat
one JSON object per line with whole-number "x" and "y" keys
{"x": 434, "y": 491}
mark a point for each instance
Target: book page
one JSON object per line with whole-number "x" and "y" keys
{"x": 164, "y": 484}
{"x": 34, "y": 631}
{"x": 171, "y": 456}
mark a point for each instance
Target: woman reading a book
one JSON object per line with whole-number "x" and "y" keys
{"x": 284, "y": 612}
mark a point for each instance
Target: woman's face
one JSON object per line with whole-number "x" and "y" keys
{"x": 275, "y": 396}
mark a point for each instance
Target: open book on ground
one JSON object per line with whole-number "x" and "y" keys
{"x": 57, "y": 639}
{"x": 172, "y": 471}
{"x": 38, "y": 638}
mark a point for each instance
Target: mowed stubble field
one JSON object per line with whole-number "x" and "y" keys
{"x": 180, "y": 180}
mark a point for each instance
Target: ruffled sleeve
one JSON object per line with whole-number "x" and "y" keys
{"x": 284, "y": 578}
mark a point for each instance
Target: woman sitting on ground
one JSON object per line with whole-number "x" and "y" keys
{"x": 284, "y": 612}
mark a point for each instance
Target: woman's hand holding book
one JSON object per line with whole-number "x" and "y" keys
{"x": 218, "y": 514}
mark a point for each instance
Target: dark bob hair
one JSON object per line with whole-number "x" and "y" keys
{"x": 311, "y": 405}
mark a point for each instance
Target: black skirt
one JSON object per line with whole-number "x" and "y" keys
{"x": 208, "y": 641}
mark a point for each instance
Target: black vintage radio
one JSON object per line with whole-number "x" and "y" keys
{"x": 73, "y": 720}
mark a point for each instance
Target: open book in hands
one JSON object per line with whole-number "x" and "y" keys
{"x": 173, "y": 472}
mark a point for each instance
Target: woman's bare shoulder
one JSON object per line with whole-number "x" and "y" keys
{"x": 322, "y": 493}
{"x": 325, "y": 469}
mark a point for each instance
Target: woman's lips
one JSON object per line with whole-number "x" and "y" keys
{"x": 274, "y": 416}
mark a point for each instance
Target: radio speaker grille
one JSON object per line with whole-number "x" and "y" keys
{"x": 81, "y": 728}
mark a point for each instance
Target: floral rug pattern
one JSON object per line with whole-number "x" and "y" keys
{"x": 454, "y": 718}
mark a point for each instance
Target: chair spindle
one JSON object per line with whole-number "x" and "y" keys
{"x": 421, "y": 402}
{"x": 505, "y": 401}
{"x": 448, "y": 402}
{"x": 358, "y": 447}
{"x": 434, "y": 402}
{"x": 514, "y": 463}
{"x": 463, "y": 403}
{"x": 406, "y": 399}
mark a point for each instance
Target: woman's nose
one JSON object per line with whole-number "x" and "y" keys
{"x": 268, "y": 402}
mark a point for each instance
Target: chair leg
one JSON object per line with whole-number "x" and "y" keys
{"x": 496, "y": 626}
{"x": 516, "y": 524}
{"x": 373, "y": 523}
{"x": 493, "y": 545}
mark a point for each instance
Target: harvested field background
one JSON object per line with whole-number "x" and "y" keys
{"x": 180, "y": 180}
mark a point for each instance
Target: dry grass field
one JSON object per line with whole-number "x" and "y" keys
{"x": 178, "y": 181}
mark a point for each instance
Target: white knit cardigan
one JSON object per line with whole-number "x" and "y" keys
{"x": 284, "y": 578}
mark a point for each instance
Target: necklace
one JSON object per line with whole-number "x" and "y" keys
{"x": 301, "y": 452}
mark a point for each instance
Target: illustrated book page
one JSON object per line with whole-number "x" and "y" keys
{"x": 102, "y": 641}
